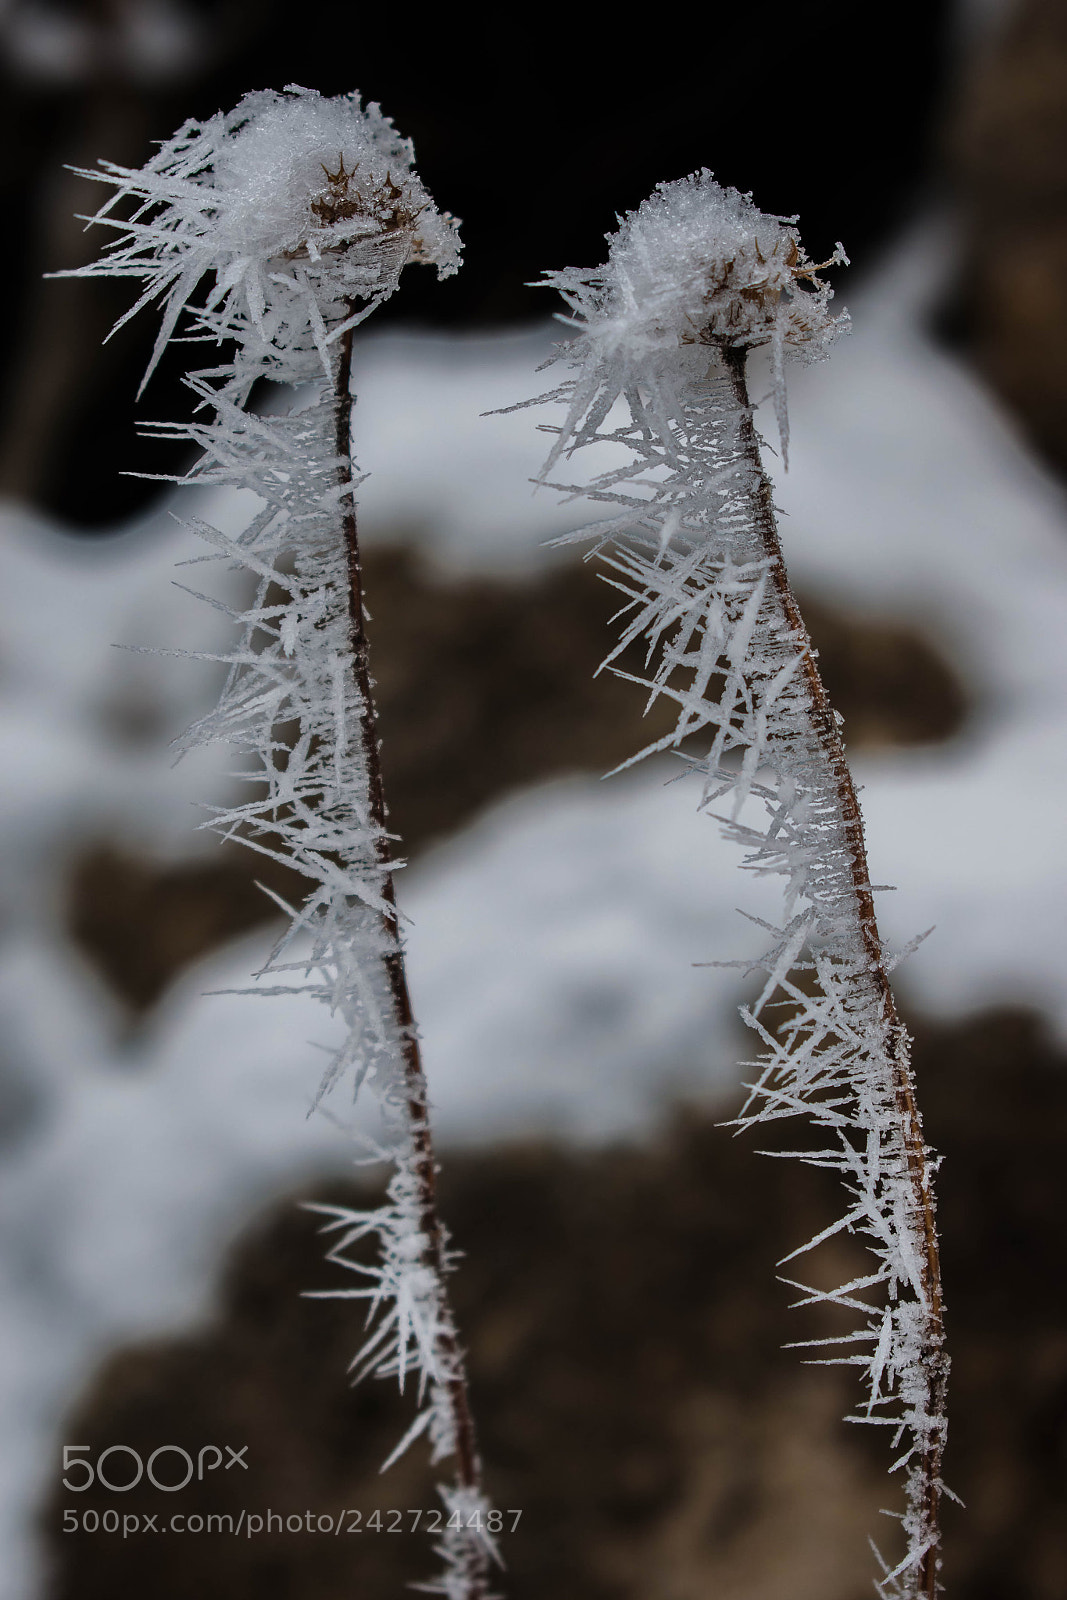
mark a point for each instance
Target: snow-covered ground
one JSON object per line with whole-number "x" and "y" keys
{"x": 553, "y": 942}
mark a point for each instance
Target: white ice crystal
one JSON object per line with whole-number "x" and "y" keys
{"x": 301, "y": 213}
{"x": 694, "y": 279}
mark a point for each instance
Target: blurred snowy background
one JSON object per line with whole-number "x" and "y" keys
{"x": 149, "y": 1125}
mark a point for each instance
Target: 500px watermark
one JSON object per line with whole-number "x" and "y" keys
{"x": 127, "y": 1469}
{"x": 247, "y": 1524}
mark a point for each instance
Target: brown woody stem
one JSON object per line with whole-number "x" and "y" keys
{"x": 468, "y": 1464}
{"x": 917, "y": 1154}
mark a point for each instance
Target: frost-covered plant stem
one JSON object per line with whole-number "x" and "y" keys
{"x": 423, "y": 1164}
{"x": 301, "y": 213}
{"x": 695, "y": 279}
{"x": 925, "y": 1489}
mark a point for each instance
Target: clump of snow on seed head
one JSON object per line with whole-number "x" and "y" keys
{"x": 301, "y": 211}
{"x": 300, "y": 174}
{"x": 695, "y": 265}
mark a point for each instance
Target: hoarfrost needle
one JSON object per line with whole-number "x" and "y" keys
{"x": 695, "y": 279}
{"x": 278, "y": 228}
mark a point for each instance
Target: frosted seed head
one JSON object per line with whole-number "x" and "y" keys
{"x": 298, "y": 174}
{"x": 298, "y": 207}
{"x": 700, "y": 264}
{"x": 695, "y": 265}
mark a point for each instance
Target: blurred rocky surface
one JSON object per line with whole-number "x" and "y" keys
{"x": 483, "y": 686}
{"x": 625, "y": 1330}
{"x": 1007, "y": 146}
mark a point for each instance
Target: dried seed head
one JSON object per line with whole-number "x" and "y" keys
{"x": 296, "y": 209}
{"x": 389, "y": 208}
{"x": 695, "y": 265}
{"x": 298, "y": 166}
{"x": 700, "y": 264}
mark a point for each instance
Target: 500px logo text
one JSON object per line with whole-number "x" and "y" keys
{"x": 120, "y": 1467}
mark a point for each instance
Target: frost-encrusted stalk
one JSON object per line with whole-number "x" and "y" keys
{"x": 695, "y": 279}
{"x": 300, "y": 213}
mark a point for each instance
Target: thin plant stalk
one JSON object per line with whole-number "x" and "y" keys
{"x": 926, "y": 1491}
{"x": 468, "y": 1468}
{"x": 300, "y": 213}
{"x": 695, "y": 279}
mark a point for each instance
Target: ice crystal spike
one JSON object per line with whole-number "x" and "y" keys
{"x": 694, "y": 279}
{"x": 273, "y": 230}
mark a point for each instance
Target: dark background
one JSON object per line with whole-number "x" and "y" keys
{"x": 534, "y": 129}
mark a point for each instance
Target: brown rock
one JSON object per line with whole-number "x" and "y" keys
{"x": 625, "y": 1329}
